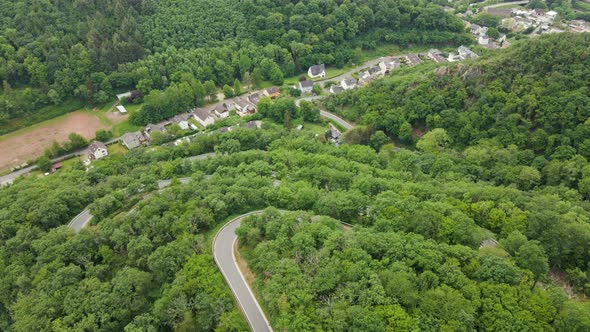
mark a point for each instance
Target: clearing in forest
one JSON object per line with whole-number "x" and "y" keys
{"x": 30, "y": 143}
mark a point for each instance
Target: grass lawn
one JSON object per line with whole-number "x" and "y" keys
{"x": 126, "y": 126}
{"x": 117, "y": 148}
{"x": 315, "y": 128}
{"x": 70, "y": 164}
{"x": 123, "y": 127}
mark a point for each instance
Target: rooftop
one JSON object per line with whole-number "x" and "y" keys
{"x": 317, "y": 69}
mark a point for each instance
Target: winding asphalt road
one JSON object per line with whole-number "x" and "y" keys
{"x": 223, "y": 253}
{"x": 325, "y": 114}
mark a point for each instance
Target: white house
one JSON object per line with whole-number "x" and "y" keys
{"x": 181, "y": 120}
{"x": 317, "y": 71}
{"x": 203, "y": 117}
{"x": 483, "y": 40}
{"x": 349, "y": 83}
{"x": 466, "y": 53}
{"x": 364, "y": 76}
{"x": 244, "y": 107}
{"x": 97, "y": 150}
{"x": 306, "y": 86}
{"x": 221, "y": 111}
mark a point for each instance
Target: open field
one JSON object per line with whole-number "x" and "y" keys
{"x": 31, "y": 142}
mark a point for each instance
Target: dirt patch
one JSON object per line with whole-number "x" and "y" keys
{"x": 243, "y": 265}
{"x": 418, "y": 132}
{"x": 29, "y": 143}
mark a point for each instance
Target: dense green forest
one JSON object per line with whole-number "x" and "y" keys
{"x": 495, "y": 148}
{"x": 411, "y": 263}
{"x": 56, "y": 51}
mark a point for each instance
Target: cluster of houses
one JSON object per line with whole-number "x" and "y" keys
{"x": 521, "y": 19}
{"x": 541, "y": 21}
{"x": 483, "y": 39}
{"x": 243, "y": 106}
{"x": 388, "y": 64}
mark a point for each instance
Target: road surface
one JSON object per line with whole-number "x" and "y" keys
{"x": 223, "y": 253}
{"x": 501, "y": 4}
{"x": 81, "y": 220}
{"x": 339, "y": 120}
{"x": 325, "y": 114}
{"x": 9, "y": 178}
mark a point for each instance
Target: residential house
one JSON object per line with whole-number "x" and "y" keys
{"x": 483, "y": 40}
{"x": 539, "y": 11}
{"x": 491, "y": 45}
{"x": 474, "y": 29}
{"x": 121, "y": 109}
{"x": 317, "y": 71}
{"x": 97, "y": 150}
{"x": 483, "y": 31}
{"x": 181, "y": 120}
{"x": 412, "y": 60}
{"x": 454, "y": 57}
{"x": 466, "y": 53}
{"x": 336, "y": 88}
{"x": 254, "y": 124}
{"x": 364, "y": 76}
{"x": 155, "y": 128}
{"x": 392, "y": 65}
{"x": 55, "y": 167}
{"x": 225, "y": 129}
{"x": 254, "y": 98}
{"x": 374, "y": 71}
{"x": 551, "y": 14}
{"x": 436, "y": 56}
{"x": 132, "y": 140}
{"x": 522, "y": 23}
{"x": 306, "y": 86}
{"x": 230, "y": 105}
{"x": 272, "y": 92}
{"x": 349, "y": 83}
{"x": 221, "y": 111}
{"x": 203, "y": 117}
{"x": 244, "y": 107}
{"x": 334, "y": 135}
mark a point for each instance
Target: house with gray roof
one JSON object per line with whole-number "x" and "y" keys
{"x": 412, "y": 60}
{"x": 336, "y": 88}
{"x": 181, "y": 120}
{"x": 306, "y": 86}
{"x": 155, "y": 128}
{"x": 132, "y": 140}
{"x": 203, "y": 117}
{"x": 97, "y": 150}
{"x": 349, "y": 83}
{"x": 317, "y": 71}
